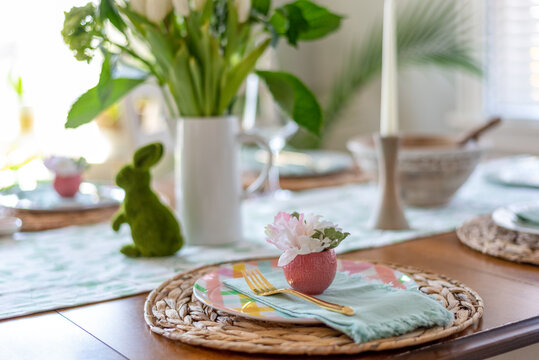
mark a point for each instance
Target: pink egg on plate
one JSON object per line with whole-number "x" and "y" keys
{"x": 312, "y": 273}
{"x": 67, "y": 186}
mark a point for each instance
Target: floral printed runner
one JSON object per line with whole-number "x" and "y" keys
{"x": 80, "y": 265}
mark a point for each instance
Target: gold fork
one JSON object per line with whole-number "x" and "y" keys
{"x": 261, "y": 286}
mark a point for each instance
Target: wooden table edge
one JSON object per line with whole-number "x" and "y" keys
{"x": 475, "y": 346}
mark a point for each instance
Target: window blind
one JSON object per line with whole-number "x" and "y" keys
{"x": 512, "y": 58}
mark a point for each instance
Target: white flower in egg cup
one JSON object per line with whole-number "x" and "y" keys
{"x": 67, "y": 174}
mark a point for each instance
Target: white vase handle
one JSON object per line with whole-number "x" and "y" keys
{"x": 263, "y": 176}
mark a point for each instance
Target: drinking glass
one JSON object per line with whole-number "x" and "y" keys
{"x": 263, "y": 117}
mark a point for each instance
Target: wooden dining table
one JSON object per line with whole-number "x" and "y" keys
{"x": 115, "y": 329}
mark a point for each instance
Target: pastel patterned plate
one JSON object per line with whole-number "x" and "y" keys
{"x": 210, "y": 289}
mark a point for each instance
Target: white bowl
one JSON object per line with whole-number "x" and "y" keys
{"x": 431, "y": 168}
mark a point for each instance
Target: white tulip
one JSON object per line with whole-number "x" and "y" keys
{"x": 181, "y": 7}
{"x": 198, "y": 4}
{"x": 156, "y": 10}
{"x": 139, "y": 6}
{"x": 244, "y": 8}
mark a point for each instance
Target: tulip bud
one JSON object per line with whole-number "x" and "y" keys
{"x": 138, "y": 6}
{"x": 244, "y": 8}
{"x": 198, "y": 4}
{"x": 181, "y": 7}
{"x": 157, "y": 10}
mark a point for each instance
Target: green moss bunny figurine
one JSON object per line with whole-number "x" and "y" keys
{"x": 154, "y": 229}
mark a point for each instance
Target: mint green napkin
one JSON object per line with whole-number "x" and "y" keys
{"x": 380, "y": 310}
{"x": 529, "y": 214}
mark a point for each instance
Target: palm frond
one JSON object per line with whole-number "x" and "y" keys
{"x": 428, "y": 33}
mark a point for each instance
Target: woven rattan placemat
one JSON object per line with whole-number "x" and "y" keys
{"x": 38, "y": 221}
{"x": 297, "y": 183}
{"x": 482, "y": 234}
{"x": 172, "y": 311}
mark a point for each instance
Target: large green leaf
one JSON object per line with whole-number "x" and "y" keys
{"x": 321, "y": 21}
{"x": 261, "y": 6}
{"x": 89, "y": 105}
{"x": 290, "y": 22}
{"x": 304, "y": 20}
{"x": 295, "y": 99}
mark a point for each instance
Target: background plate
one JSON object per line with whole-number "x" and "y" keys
{"x": 298, "y": 164}
{"x": 514, "y": 171}
{"x": 506, "y": 218}
{"x": 45, "y": 199}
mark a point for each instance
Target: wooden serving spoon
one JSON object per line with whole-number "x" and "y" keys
{"x": 474, "y": 133}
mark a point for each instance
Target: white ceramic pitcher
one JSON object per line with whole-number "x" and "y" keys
{"x": 208, "y": 179}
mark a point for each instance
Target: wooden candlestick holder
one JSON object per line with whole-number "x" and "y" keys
{"x": 389, "y": 213}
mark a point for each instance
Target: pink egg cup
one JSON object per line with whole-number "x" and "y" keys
{"x": 312, "y": 273}
{"x": 67, "y": 186}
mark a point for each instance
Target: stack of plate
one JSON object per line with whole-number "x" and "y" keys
{"x": 299, "y": 164}
{"x": 42, "y": 208}
{"x": 511, "y": 233}
{"x": 523, "y": 218}
{"x": 44, "y": 198}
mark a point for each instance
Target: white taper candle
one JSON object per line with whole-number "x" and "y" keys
{"x": 389, "y": 111}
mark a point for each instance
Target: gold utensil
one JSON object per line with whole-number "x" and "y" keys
{"x": 262, "y": 287}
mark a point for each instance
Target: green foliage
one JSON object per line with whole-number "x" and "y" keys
{"x": 428, "y": 33}
{"x": 89, "y": 105}
{"x": 202, "y": 58}
{"x": 261, "y": 6}
{"x": 289, "y": 21}
{"x": 304, "y": 20}
{"x": 236, "y": 75}
{"x": 296, "y": 100}
{"x": 108, "y": 11}
{"x": 335, "y": 236}
{"x": 154, "y": 229}
{"x": 105, "y": 94}
{"x": 81, "y": 31}
{"x": 16, "y": 85}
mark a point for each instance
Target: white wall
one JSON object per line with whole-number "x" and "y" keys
{"x": 426, "y": 95}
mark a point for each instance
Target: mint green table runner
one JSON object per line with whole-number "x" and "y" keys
{"x": 79, "y": 265}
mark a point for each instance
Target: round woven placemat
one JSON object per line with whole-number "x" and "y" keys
{"x": 482, "y": 234}
{"x": 296, "y": 183}
{"x": 38, "y": 221}
{"x": 172, "y": 311}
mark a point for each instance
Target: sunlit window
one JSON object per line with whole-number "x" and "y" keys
{"x": 513, "y": 58}
{"x": 32, "y": 49}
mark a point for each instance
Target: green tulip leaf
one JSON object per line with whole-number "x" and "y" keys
{"x": 107, "y": 11}
{"x": 236, "y": 76}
